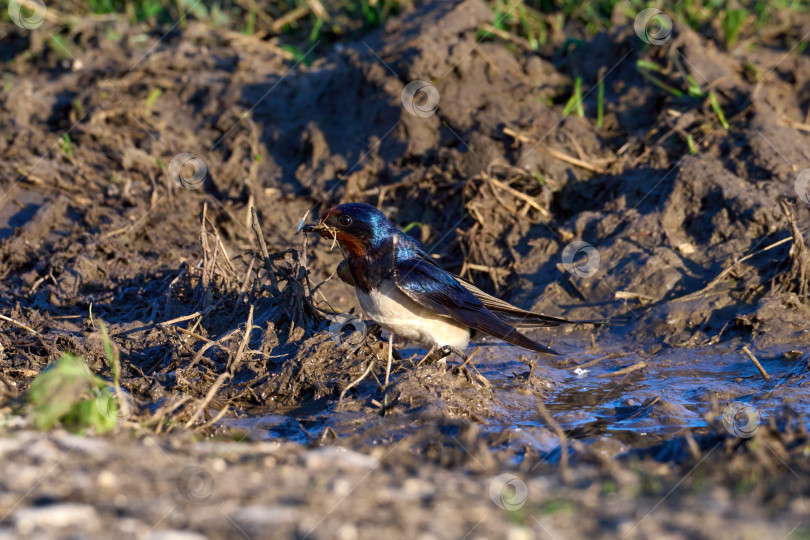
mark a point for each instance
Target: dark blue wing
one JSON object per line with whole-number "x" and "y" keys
{"x": 437, "y": 290}
{"x": 512, "y": 315}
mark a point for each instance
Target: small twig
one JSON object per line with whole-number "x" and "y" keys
{"x": 713, "y": 283}
{"x": 593, "y": 362}
{"x": 258, "y": 230}
{"x": 215, "y": 419}
{"x": 195, "y": 335}
{"x": 208, "y": 397}
{"x": 289, "y": 17}
{"x": 21, "y": 325}
{"x": 248, "y": 328}
{"x": 268, "y": 264}
{"x": 503, "y": 34}
{"x": 243, "y": 288}
{"x": 753, "y": 358}
{"x": 488, "y": 269}
{"x": 166, "y": 323}
{"x": 358, "y": 380}
{"x": 221, "y": 245}
{"x": 430, "y": 352}
{"x": 520, "y": 195}
{"x": 204, "y": 242}
{"x": 470, "y": 357}
{"x": 570, "y": 159}
{"x": 481, "y": 379}
{"x": 208, "y": 345}
{"x": 629, "y": 295}
{"x": 554, "y": 153}
{"x": 165, "y": 411}
{"x": 624, "y": 371}
{"x": 801, "y": 126}
{"x": 183, "y": 318}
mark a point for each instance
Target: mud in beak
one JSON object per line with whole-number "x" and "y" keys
{"x": 317, "y": 227}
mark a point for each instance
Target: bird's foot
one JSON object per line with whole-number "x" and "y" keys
{"x": 436, "y": 355}
{"x": 443, "y": 353}
{"x": 374, "y": 329}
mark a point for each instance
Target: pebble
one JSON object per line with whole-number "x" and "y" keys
{"x": 176, "y": 535}
{"x": 520, "y": 533}
{"x": 90, "y": 446}
{"x": 27, "y": 520}
{"x": 335, "y": 456}
{"x": 265, "y": 515}
{"x": 106, "y": 479}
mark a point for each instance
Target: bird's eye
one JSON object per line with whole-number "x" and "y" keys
{"x": 345, "y": 220}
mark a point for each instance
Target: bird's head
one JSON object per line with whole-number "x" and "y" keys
{"x": 359, "y": 227}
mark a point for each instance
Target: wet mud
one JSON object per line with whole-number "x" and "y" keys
{"x": 225, "y": 324}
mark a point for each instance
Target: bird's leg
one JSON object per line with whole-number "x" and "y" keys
{"x": 434, "y": 354}
{"x": 374, "y": 329}
{"x": 446, "y": 351}
{"x": 461, "y": 355}
{"x": 388, "y": 372}
{"x": 390, "y": 358}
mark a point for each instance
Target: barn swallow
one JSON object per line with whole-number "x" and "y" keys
{"x": 404, "y": 291}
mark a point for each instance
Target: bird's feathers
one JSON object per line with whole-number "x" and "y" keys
{"x": 439, "y": 291}
{"x": 399, "y": 284}
{"x": 395, "y": 311}
{"x": 517, "y": 316}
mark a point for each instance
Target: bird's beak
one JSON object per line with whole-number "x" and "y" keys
{"x": 316, "y": 227}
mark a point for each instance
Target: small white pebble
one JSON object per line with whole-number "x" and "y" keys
{"x": 580, "y": 372}
{"x": 106, "y": 479}
{"x": 57, "y": 516}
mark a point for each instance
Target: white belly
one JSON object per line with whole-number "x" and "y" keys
{"x": 396, "y": 312}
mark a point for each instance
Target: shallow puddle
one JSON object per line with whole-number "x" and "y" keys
{"x": 674, "y": 392}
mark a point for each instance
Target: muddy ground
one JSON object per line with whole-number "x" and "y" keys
{"x": 238, "y": 426}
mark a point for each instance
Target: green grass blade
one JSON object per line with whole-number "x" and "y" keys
{"x": 690, "y": 141}
{"x": 717, "y": 110}
{"x": 600, "y": 103}
{"x": 648, "y": 65}
{"x": 661, "y": 84}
